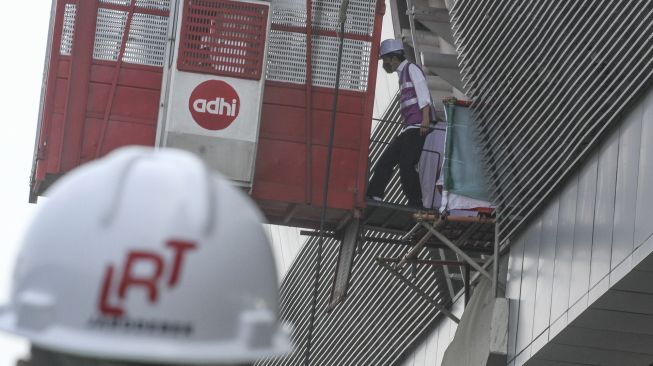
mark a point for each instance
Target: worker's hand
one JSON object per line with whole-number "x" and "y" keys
{"x": 424, "y": 129}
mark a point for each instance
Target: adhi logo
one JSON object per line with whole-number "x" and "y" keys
{"x": 214, "y": 104}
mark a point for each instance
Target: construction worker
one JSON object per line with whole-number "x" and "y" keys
{"x": 145, "y": 258}
{"x": 418, "y": 112}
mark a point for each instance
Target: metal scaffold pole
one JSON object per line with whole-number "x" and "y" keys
{"x": 495, "y": 262}
{"x": 411, "y": 20}
{"x": 325, "y": 194}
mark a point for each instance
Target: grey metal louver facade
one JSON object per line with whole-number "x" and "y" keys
{"x": 377, "y": 324}
{"x": 547, "y": 79}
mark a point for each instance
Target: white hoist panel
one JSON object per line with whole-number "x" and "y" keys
{"x": 213, "y": 88}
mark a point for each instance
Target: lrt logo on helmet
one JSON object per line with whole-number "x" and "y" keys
{"x": 214, "y": 104}
{"x": 128, "y": 278}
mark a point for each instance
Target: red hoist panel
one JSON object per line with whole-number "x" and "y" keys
{"x": 296, "y": 115}
{"x": 249, "y": 87}
{"x": 103, "y": 83}
{"x": 223, "y": 37}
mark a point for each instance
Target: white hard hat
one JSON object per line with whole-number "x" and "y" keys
{"x": 390, "y": 46}
{"x": 145, "y": 256}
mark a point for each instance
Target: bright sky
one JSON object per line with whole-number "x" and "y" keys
{"x": 23, "y": 35}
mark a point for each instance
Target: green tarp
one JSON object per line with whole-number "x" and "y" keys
{"x": 463, "y": 170}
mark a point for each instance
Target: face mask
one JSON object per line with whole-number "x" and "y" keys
{"x": 387, "y": 67}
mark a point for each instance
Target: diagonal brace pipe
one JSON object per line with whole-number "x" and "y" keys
{"x": 456, "y": 249}
{"x": 418, "y": 290}
{"x": 412, "y": 253}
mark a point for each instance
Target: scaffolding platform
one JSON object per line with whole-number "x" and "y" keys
{"x": 471, "y": 233}
{"x": 385, "y": 216}
{"x": 455, "y": 245}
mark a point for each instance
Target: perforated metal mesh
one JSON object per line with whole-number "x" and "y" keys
{"x": 223, "y": 38}
{"x": 146, "y": 42}
{"x": 108, "y": 34}
{"x": 66, "y": 46}
{"x": 147, "y": 4}
{"x": 147, "y": 36}
{"x": 548, "y": 78}
{"x": 289, "y": 12}
{"x": 360, "y": 16}
{"x": 354, "y": 67}
{"x": 287, "y": 50}
{"x": 116, "y": 2}
{"x": 286, "y": 57}
{"x": 154, "y": 4}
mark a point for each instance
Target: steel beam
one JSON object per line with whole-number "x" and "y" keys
{"x": 348, "y": 243}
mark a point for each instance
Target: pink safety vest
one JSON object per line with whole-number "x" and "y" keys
{"x": 408, "y": 99}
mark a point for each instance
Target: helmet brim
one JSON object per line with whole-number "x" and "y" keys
{"x": 124, "y": 346}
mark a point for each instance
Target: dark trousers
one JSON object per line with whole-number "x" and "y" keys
{"x": 405, "y": 151}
